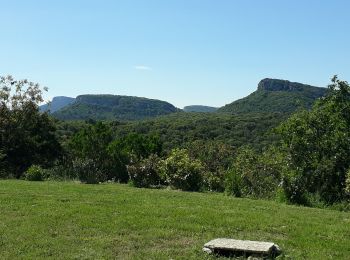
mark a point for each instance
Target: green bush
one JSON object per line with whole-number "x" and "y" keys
{"x": 294, "y": 188}
{"x": 347, "y": 184}
{"x": 61, "y": 171}
{"x": 35, "y": 173}
{"x": 216, "y": 158}
{"x": 214, "y": 181}
{"x": 145, "y": 173}
{"x": 233, "y": 183}
{"x": 254, "y": 175}
{"x": 88, "y": 171}
{"x": 3, "y": 173}
{"x": 181, "y": 172}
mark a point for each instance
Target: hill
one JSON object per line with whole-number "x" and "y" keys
{"x": 57, "y": 103}
{"x": 275, "y": 95}
{"x": 114, "y": 221}
{"x": 199, "y": 108}
{"x": 113, "y": 107}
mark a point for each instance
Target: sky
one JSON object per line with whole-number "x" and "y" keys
{"x": 186, "y": 52}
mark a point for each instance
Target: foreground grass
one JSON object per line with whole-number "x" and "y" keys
{"x": 76, "y": 221}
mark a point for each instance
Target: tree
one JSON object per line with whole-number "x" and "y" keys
{"x": 26, "y": 136}
{"x": 91, "y": 159}
{"x": 318, "y": 146}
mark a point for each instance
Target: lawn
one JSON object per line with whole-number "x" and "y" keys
{"x": 67, "y": 220}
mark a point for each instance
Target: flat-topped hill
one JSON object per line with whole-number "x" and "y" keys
{"x": 114, "y": 107}
{"x": 275, "y": 95}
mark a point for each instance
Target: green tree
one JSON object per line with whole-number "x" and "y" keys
{"x": 318, "y": 146}
{"x": 89, "y": 148}
{"x": 26, "y": 136}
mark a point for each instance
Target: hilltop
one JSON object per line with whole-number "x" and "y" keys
{"x": 275, "y": 95}
{"x": 57, "y": 103}
{"x": 199, "y": 108}
{"x": 114, "y": 107}
{"x": 272, "y": 95}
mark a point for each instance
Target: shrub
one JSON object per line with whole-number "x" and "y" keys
{"x": 145, "y": 173}
{"x": 294, "y": 188}
{"x": 216, "y": 157}
{"x": 253, "y": 174}
{"x": 88, "y": 171}
{"x": 61, "y": 171}
{"x": 180, "y": 172}
{"x": 347, "y": 184}
{"x": 214, "y": 181}
{"x": 233, "y": 183}
{"x": 35, "y": 173}
{"x": 3, "y": 173}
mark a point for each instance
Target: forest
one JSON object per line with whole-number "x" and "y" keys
{"x": 298, "y": 154}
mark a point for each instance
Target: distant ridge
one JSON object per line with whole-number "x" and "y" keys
{"x": 199, "y": 108}
{"x": 114, "y": 107}
{"x": 276, "y": 95}
{"x": 57, "y": 103}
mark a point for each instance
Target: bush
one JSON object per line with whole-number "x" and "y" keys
{"x": 294, "y": 188}
{"x": 61, "y": 171}
{"x": 216, "y": 158}
{"x": 145, "y": 173}
{"x": 233, "y": 183}
{"x": 35, "y": 173}
{"x": 347, "y": 184}
{"x": 180, "y": 172}
{"x": 255, "y": 175}
{"x": 88, "y": 171}
{"x": 3, "y": 173}
{"x": 214, "y": 181}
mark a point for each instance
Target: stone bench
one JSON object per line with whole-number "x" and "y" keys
{"x": 245, "y": 248}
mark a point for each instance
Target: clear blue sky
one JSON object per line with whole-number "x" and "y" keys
{"x": 182, "y": 51}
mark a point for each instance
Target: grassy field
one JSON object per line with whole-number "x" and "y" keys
{"x": 108, "y": 221}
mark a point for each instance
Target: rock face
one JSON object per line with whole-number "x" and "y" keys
{"x": 246, "y": 248}
{"x": 280, "y": 85}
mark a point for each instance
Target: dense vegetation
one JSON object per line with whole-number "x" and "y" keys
{"x": 302, "y": 159}
{"x": 110, "y": 107}
{"x": 182, "y": 129}
{"x": 275, "y": 95}
{"x": 65, "y": 220}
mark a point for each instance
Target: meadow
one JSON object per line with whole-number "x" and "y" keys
{"x": 69, "y": 220}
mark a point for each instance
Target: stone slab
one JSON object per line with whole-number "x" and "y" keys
{"x": 241, "y": 246}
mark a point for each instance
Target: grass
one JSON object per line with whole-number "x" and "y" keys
{"x": 67, "y": 220}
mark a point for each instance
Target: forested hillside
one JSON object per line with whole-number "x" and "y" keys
{"x": 112, "y": 107}
{"x": 274, "y": 95}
